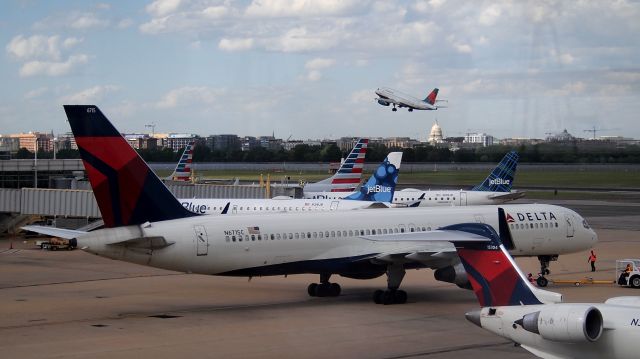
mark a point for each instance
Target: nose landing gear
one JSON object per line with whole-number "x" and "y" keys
{"x": 544, "y": 269}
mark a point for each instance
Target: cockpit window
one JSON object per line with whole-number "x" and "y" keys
{"x": 585, "y": 224}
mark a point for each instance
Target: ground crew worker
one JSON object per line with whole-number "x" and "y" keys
{"x": 592, "y": 260}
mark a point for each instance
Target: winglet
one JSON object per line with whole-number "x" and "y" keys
{"x": 382, "y": 184}
{"x": 127, "y": 191}
{"x": 501, "y": 178}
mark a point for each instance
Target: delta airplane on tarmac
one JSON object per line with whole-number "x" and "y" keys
{"x": 495, "y": 189}
{"x": 535, "y": 319}
{"x": 145, "y": 224}
{"x": 376, "y": 193}
{"x": 395, "y": 98}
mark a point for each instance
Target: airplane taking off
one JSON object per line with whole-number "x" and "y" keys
{"x": 495, "y": 189}
{"x": 395, "y": 98}
{"x": 183, "y": 169}
{"x": 536, "y": 319}
{"x": 348, "y": 176}
{"x": 145, "y": 224}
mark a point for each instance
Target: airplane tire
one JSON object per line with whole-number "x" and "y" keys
{"x": 335, "y": 289}
{"x": 311, "y": 289}
{"x": 377, "y": 296}
{"x": 400, "y": 297}
{"x": 635, "y": 281}
{"x": 542, "y": 281}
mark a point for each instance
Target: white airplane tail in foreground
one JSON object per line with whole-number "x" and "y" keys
{"x": 535, "y": 319}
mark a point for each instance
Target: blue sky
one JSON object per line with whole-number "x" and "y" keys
{"x": 309, "y": 68}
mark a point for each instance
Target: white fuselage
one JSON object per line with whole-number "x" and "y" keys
{"x": 246, "y": 206}
{"x": 619, "y": 338}
{"x": 430, "y": 198}
{"x": 403, "y": 100}
{"x": 325, "y": 241}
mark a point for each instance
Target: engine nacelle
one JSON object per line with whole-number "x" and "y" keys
{"x": 455, "y": 274}
{"x": 565, "y": 323}
{"x": 383, "y": 103}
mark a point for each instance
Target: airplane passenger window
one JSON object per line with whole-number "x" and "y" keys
{"x": 273, "y": 236}
{"x": 423, "y": 229}
{"x": 255, "y": 208}
{"x": 338, "y": 233}
{"x": 333, "y": 233}
{"x": 297, "y": 235}
{"x": 362, "y": 232}
{"x": 368, "y": 231}
{"x": 320, "y": 234}
{"x": 315, "y": 234}
{"x": 241, "y": 208}
{"x": 395, "y": 230}
{"x": 259, "y": 237}
{"x": 239, "y": 238}
{"x": 308, "y": 234}
{"x": 511, "y": 225}
{"x": 278, "y": 235}
{"x": 344, "y": 233}
{"x": 246, "y": 237}
{"x": 384, "y": 231}
{"x": 261, "y": 208}
{"x": 253, "y": 237}
{"x": 226, "y": 238}
{"x": 290, "y": 235}
{"x": 428, "y": 228}
{"x": 401, "y": 230}
{"x": 233, "y": 238}
{"x": 373, "y": 231}
{"x": 326, "y": 234}
{"x": 556, "y": 224}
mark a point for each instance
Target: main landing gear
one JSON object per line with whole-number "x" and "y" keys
{"x": 324, "y": 288}
{"x": 393, "y": 295}
{"x": 394, "y": 109}
{"x": 544, "y": 269}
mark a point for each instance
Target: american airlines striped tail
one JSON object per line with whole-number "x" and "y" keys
{"x": 126, "y": 189}
{"x": 183, "y": 169}
{"x": 348, "y": 176}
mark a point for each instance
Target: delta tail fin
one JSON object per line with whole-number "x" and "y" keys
{"x": 431, "y": 98}
{"x": 382, "y": 184}
{"x": 494, "y": 276}
{"x": 501, "y": 178}
{"x": 127, "y": 191}
{"x": 183, "y": 169}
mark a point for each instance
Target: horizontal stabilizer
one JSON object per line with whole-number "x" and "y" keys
{"x": 55, "y": 232}
{"x": 508, "y": 196}
{"x": 144, "y": 243}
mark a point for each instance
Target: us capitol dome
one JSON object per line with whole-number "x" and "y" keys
{"x": 436, "y": 133}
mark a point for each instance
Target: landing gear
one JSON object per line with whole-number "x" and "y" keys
{"x": 394, "y": 109}
{"x": 410, "y": 110}
{"x": 324, "y": 288}
{"x": 393, "y": 295}
{"x": 544, "y": 269}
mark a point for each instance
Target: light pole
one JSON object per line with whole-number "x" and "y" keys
{"x": 35, "y": 167}
{"x": 55, "y": 139}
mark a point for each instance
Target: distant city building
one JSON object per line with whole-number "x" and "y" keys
{"x": 9, "y": 144}
{"x": 517, "y": 141}
{"x": 435, "y": 136}
{"x": 479, "y": 138}
{"x": 270, "y": 143}
{"x": 345, "y": 144}
{"x": 399, "y": 142}
{"x": 177, "y": 141}
{"x": 563, "y": 136}
{"x": 33, "y": 140}
{"x": 224, "y": 142}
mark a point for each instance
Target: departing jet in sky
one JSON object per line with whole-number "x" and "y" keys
{"x": 145, "y": 224}
{"x": 536, "y": 319}
{"x": 395, "y": 98}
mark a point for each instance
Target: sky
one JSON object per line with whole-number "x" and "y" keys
{"x": 309, "y": 69}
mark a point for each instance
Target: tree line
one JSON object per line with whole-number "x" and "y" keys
{"x": 538, "y": 153}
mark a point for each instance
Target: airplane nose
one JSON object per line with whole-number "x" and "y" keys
{"x": 474, "y": 317}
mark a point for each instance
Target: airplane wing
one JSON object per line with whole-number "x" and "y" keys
{"x": 55, "y": 232}
{"x": 508, "y": 196}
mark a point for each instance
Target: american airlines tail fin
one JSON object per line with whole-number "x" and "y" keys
{"x": 126, "y": 189}
{"x": 183, "y": 169}
{"x": 494, "y": 276}
{"x": 431, "y": 98}
{"x": 348, "y": 176}
{"x": 382, "y": 183}
{"x": 501, "y": 178}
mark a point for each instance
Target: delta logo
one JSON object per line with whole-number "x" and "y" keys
{"x": 499, "y": 181}
{"x": 378, "y": 189}
{"x": 532, "y": 216}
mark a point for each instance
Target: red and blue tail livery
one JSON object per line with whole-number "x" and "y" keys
{"x": 431, "y": 98}
{"x": 126, "y": 189}
{"x": 347, "y": 178}
{"x": 494, "y": 277}
{"x": 183, "y": 169}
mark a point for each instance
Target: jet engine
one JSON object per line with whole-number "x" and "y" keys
{"x": 565, "y": 323}
{"x": 453, "y": 274}
{"x": 383, "y": 102}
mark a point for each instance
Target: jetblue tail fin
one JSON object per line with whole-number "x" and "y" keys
{"x": 183, "y": 169}
{"x": 126, "y": 189}
{"x": 431, "y": 98}
{"x": 382, "y": 184}
{"x": 501, "y": 178}
{"x": 494, "y": 276}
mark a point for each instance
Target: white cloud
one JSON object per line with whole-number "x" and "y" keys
{"x": 235, "y": 44}
{"x": 36, "y": 93}
{"x": 87, "y": 21}
{"x": 163, "y": 7}
{"x": 124, "y": 23}
{"x": 300, "y": 39}
{"x": 90, "y": 95}
{"x": 191, "y": 95}
{"x": 566, "y": 59}
{"x": 216, "y": 12}
{"x": 71, "y": 42}
{"x": 301, "y": 8}
{"x": 74, "y": 20}
{"x": 319, "y": 63}
{"x": 490, "y": 15}
{"x": 52, "y": 68}
{"x": 35, "y": 47}
{"x": 362, "y": 96}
